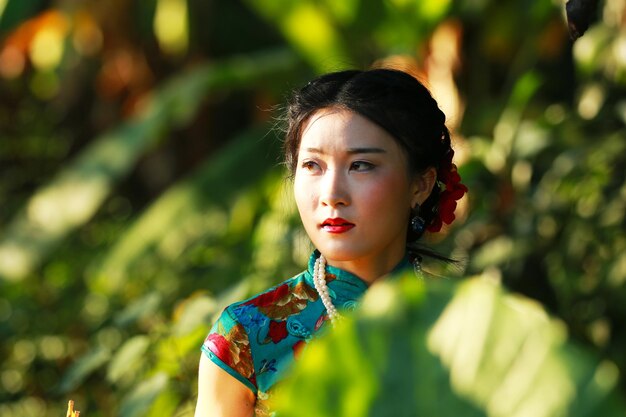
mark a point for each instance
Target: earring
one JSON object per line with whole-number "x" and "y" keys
{"x": 418, "y": 224}
{"x": 417, "y": 267}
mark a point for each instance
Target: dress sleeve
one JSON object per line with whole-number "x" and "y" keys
{"x": 228, "y": 346}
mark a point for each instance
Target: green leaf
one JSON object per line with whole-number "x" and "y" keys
{"x": 82, "y": 368}
{"x": 192, "y": 313}
{"x": 127, "y": 358}
{"x": 13, "y": 12}
{"x": 142, "y": 307}
{"x": 448, "y": 350}
{"x": 201, "y": 198}
{"x": 309, "y": 28}
{"x": 75, "y": 194}
{"x": 139, "y": 401}
{"x": 166, "y": 404}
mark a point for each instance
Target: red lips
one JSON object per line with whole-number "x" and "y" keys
{"x": 337, "y": 225}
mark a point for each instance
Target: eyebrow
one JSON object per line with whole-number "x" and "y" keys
{"x": 349, "y": 150}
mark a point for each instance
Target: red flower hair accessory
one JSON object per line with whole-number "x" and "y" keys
{"x": 452, "y": 190}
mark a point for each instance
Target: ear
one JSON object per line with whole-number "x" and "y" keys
{"x": 423, "y": 185}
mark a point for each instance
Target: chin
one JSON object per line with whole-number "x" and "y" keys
{"x": 340, "y": 253}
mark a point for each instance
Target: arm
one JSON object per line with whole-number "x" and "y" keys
{"x": 221, "y": 395}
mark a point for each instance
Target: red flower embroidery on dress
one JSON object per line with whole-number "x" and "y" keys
{"x": 270, "y": 298}
{"x": 320, "y": 321}
{"x": 278, "y": 330}
{"x": 220, "y": 347}
{"x": 450, "y": 180}
{"x": 233, "y": 348}
{"x": 297, "y": 348}
{"x": 283, "y": 302}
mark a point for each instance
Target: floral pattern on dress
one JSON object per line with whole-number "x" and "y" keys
{"x": 297, "y": 348}
{"x": 284, "y": 301}
{"x": 278, "y": 331}
{"x": 249, "y": 316}
{"x": 318, "y": 324}
{"x": 233, "y": 348}
{"x": 257, "y": 340}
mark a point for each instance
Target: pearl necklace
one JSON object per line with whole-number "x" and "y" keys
{"x": 319, "y": 279}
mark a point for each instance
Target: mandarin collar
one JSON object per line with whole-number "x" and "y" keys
{"x": 355, "y": 283}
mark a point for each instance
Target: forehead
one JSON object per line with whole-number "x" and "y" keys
{"x": 338, "y": 129}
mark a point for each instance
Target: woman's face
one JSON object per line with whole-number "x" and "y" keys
{"x": 354, "y": 191}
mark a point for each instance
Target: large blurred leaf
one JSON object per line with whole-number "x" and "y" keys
{"x": 138, "y": 402}
{"x": 192, "y": 313}
{"x": 331, "y": 35}
{"x": 12, "y": 12}
{"x": 73, "y": 196}
{"x": 142, "y": 307}
{"x": 127, "y": 358}
{"x": 83, "y": 367}
{"x": 438, "y": 349}
{"x": 195, "y": 205}
{"x": 309, "y": 27}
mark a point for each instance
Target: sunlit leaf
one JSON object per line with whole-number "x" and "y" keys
{"x": 166, "y": 404}
{"x": 171, "y": 26}
{"x": 176, "y": 353}
{"x": 192, "y": 313}
{"x": 127, "y": 357}
{"x": 197, "y": 199}
{"x": 139, "y": 308}
{"x": 73, "y": 196}
{"x": 83, "y": 367}
{"x": 309, "y": 28}
{"x": 138, "y": 402}
{"x": 13, "y": 12}
{"x": 433, "y": 10}
{"x": 434, "y": 349}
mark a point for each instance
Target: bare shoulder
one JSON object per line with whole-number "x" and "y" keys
{"x": 220, "y": 394}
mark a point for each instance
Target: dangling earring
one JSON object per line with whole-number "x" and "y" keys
{"x": 418, "y": 224}
{"x": 417, "y": 267}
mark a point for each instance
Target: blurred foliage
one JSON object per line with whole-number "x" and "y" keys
{"x": 424, "y": 348}
{"x": 141, "y": 187}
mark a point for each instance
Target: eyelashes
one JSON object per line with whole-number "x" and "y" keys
{"x": 309, "y": 165}
{"x": 356, "y": 166}
{"x": 362, "y": 166}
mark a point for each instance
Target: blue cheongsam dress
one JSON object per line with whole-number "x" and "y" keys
{"x": 257, "y": 340}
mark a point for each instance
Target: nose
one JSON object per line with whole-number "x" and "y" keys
{"x": 334, "y": 189}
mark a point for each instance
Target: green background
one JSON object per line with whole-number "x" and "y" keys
{"x": 141, "y": 191}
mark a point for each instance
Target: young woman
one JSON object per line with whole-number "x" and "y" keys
{"x": 372, "y": 166}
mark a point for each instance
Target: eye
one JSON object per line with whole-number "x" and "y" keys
{"x": 361, "y": 166}
{"x": 310, "y": 166}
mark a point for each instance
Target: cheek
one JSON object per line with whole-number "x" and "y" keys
{"x": 302, "y": 194}
{"x": 389, "y": 195}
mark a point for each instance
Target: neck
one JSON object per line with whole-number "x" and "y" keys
{"x": 368, "y": 269}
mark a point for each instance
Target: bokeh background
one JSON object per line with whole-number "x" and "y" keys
{"x": 141, "y": 188}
